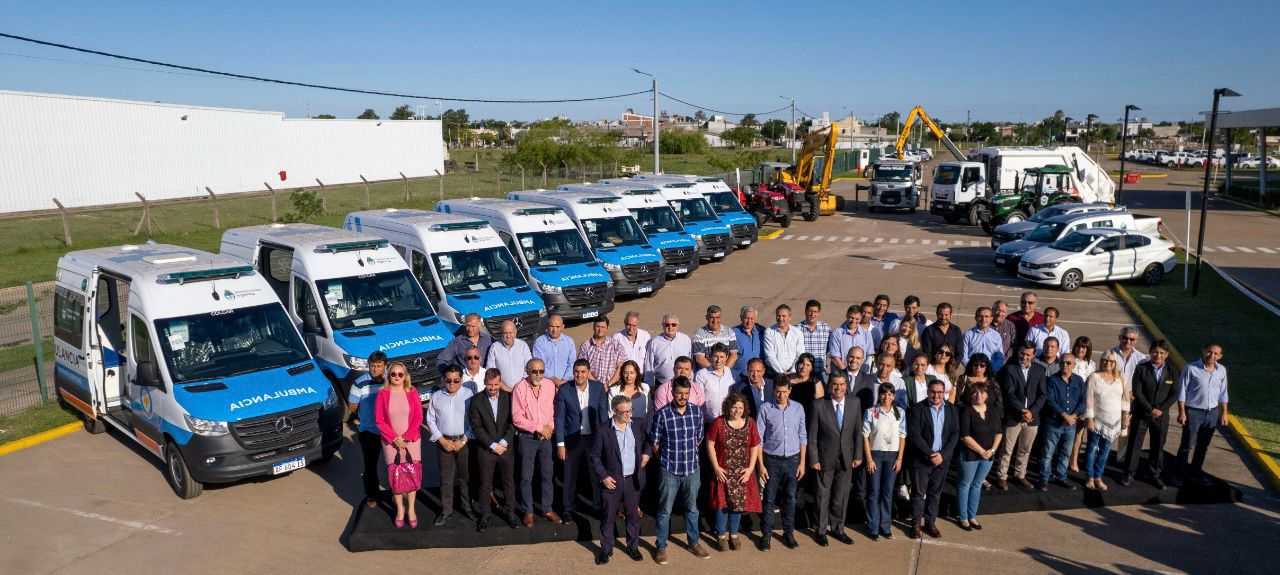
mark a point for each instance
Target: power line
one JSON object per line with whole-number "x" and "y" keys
{"x": 310, "y": 85}
{"x": 704, "y": 108}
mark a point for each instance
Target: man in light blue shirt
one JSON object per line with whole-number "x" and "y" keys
{"x": 981, "y": 338}
{"x": 850, "y": 334}
{"x": 556, "y": 350}
{"x": 362, "y": 401}
{"x": 509, "y": 355}
{"x": 447, "y": 421}
{"x": 1202, "y": 408}
{"x": 783, "y": 436}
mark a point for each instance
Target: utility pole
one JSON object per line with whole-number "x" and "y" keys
{"x": 657, "y": 160}
{"x": 793, "y": 132}
{"x": 1124, "y": 140}
{"x": 1204, "y": 192}
{"x": 1088, "y": 131}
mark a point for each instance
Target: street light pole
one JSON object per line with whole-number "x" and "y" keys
{"x": 792, "y": 143}
{"x": 1124, "y": 140}
{"x": 1088, "y": 131}
{"x": 1204, "y": 192}
{"x": 657, "y": 159}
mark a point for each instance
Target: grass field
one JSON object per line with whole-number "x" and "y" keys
{"x": 1221, "y": 314}
{"x": 33, "y": 421}
{"x": 30, "y": 246}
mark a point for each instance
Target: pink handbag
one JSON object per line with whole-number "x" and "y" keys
{"x": 405, "y": 474}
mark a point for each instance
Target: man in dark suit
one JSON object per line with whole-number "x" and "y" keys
{"x": 1156, "y": 385}
{"x": 754, "y": 387}
{"x": 1023, "y": 384}
{"x": 581, "y": 408}
{"x": 489, "y": 415}
{"x": 835, "y": 440}
{"x": 933, "y": 429}
{"x": 619, "y": 453}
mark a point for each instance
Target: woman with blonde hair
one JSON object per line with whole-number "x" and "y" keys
{"x": 908, "y": 342}
{"x": 1105, "y": 411}
{"x": 399, "y": 416}
{"x": 1085, "y": 366}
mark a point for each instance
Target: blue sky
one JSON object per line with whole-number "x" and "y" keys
{"x": 1000, "y": 60}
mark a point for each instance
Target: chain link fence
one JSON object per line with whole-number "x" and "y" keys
{"x": 26, "y": 369}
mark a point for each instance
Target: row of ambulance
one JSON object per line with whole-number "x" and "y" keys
{"x": 233, "y": 365}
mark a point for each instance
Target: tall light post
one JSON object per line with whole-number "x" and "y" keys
{"x": 792, "y": 142}
{"x": 1204, "y": 192}
{"x": 1124, "y": 140}
{"x": 1088, "y": 131}
{"x": 657, "y": 161}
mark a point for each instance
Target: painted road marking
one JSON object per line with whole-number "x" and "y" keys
{"x": 975, "y": 243}
{"x": 817, "y": 238}
{"x": 833, "y": 238}
{"x": 926, "y": 241}
{"x": 788, "y": 237}
{"x": 1225, "y": 249}
{"x": 911, "y": 240}
{"x": 1266, "y": 250}
{"x": 879, "y": 240}
{"x": 862, "y": 240}
{"x": 1245, "y": 250}
{"x": 1207, "y": 249}
{"x": 802, "y": 238}
{"x": 942, "y": 242}
{"x": 782, "y": 261}
{"x": 848, "y": 239}
{"x": 893, "y": 240}
{"x": 139, "y": 525}
{"x": 773, "y": 234}
{"x": 1041, "y": 296}
{"x": 890, "y": 265}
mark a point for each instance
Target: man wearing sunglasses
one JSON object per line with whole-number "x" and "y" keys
{"x": 447, "y": 421}
{"x": 1025, "y": 318}
{"x": 663, "y": 350}
{"x": 473, "y": 370}
{"x": 533, "y": 413}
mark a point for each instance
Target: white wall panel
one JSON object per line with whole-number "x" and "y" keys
{"x": 90, "y": 151}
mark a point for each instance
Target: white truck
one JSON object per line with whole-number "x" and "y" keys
{"x": 999, "y": 170}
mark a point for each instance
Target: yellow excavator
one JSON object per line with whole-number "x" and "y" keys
{"x": 812, "y": 172}
{"x": 918, "y": 113}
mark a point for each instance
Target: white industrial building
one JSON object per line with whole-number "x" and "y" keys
{"x": 96, "y": 151}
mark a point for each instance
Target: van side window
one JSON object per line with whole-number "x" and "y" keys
{"x": 1136, "y": 241}
{"x": 511, "y": 247}
{"x": 423, "y": 272}
{"x": 1102, "y": 224}
{"x": 303, "y": 302}
{"x": 970, "y": 175}
{"x": 68, "y": 317}
{"x": 277, "y": 264}
{"x": 142, "y": 350}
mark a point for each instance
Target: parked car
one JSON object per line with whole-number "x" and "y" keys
{"x": 1012, "y": 231}
{"x": 1137, "y": 154}
{"x": 1098, "y": 255}
{"x": 1054, "y": 229}
{"x": 1252, "y": 162}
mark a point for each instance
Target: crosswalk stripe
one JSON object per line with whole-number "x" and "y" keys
{"x": 862, "y": 240}
{"x": 848, "y": 239}
{"x": 879, "y": 240}
{"x": 1226, "y": 249}
{"x": 1266, "y": 250}
{"x": 817, "y": 238}
{"x": 1207, "y": 249}
{"x": 926, "y": 241}
{"x": 893, "y": 240}
{"x": 802, "y": 238}
{"x": 974, "y": 243}
{"x": 942, "y": 242}
{"x": 1245, "y": 250}
{"x": 832, "y": 238}
{"x": 911, "y": 240}
{"x": 788, "y": 237}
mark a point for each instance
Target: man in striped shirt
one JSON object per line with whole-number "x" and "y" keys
{"x": 604, "y": 353}
{"x": 711, "y": 334}
{"x": 816, "y": 335}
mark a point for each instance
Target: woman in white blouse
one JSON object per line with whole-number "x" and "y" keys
{"x": 1105, "y": 408}
{"x": 1085, "y": 366}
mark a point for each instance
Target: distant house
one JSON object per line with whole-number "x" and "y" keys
{"x": 718, "y": 125}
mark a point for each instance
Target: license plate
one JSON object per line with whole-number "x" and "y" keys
{"x": 645, "y": 289}
{"x": 746, "y": 242}
{"x": 682, "y": 270}
{"x": 718, "y": 255}
{"x": 289, "y": 465}
{"x": 1000, "y": 261}
{"x": 589, "y": 314}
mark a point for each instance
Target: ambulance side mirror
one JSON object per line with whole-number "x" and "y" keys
{"x": 149, "y": 374}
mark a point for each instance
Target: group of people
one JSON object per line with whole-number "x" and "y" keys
{"x": 737, "y": 420}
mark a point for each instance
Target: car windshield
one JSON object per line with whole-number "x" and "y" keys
{"x": 1046, "y": 214}
{"x": 725, "y": 202}
{"x": 1074, "y": 242}
{"x": 372, "y": 299}
{"x": 613, "y": 232}
{"x": 657, "y": 220}
{"x": 477, "y": 270}
{"x": 1045, "y": 233}
{"x": 225, "y": 343}
{"x": 555, "y": 248}
{"x": 947, "y": 175}
{"x": 893, "y": 173}
{"x": 693, "y": 210}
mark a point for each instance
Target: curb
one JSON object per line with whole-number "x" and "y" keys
{"x": 772, "y": 235}
{"x": 37, "y": 439}
{"x": 1251, "y": 445}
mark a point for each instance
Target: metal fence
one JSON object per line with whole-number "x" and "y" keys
{"x": 26, "y": 370}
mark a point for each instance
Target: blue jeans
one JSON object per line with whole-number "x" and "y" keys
{"x": 782, "y": 477}
{"x": 969, "y": 487}
{"x": 727, "y": 522}
{"x": 1057, "y": 446}
{"x": 1098, "y": 448}
{"x": 686, "y": 487}
{"x": 1201, "y": 424}
{"x": 880, "y": 492}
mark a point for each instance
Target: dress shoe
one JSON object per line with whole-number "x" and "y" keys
{"x": 1127, "y": 480}
{"x": 1063, "y": 483}
{"x": 700, "y": 552}
{"x": 722, "y": 542}
{"x": 932, "y": 531}
{"x": 1001, "y": 484}
{"x": 975, "y": 525}
{"x": 842, "y": 537}
{"x": 399, "y": 523}
{"x": 413, "y": 524}
{"x": 660, "y": 557}
{"x": 888, "y": 535}
{"x": 789, "y": 541}
{"x": 821, "y": 539}
{"x": 602, "y": 558}
{"x": 916, "y": 533}
{"x": 733, "y": 543}
{"x": 872, "y": 536}
{"x": 634, "y": 553}
{"x": 964, "y": 524}
{"x": 1159, "y": 483}
{"x": 1042, "y": 487}
{"x": 764, "y": 544}
{"x": 513, "y": 520}
{"x": 528, "y": 520}
{"x": 441, "y": 519}
{"x": 1023, "y": 483}
{"x": 553, "y": 518}
{"x": 482, "y": 524}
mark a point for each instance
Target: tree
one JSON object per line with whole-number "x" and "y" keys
{"x": 683, "y": 142}
{"x": 749, "y": 120}
{"x": 454, "y": 123}
{"x": 699, "y": 116}
{"x": 741, "y": 137}
{"x": 402, "y": 113}
{"x": 889, "y": 121}
{"x": 774, "y": 130}
{"x": 325, "y": 117}
{"x": 367, "y": 114}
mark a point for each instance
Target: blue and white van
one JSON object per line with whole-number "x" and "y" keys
{"x": 553, "y": 253}
{"x": 742, "y": 225}
{"x": 660, "y": 223}
{"x": 697, "y": 215}
{"x": 190, "y": 355}
{"x": 461, "y": 264}
{"x": 614, "y": 235}
{"x": 351, "y": 293}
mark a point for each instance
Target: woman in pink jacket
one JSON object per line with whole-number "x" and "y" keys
{"x": 399, "y": 416}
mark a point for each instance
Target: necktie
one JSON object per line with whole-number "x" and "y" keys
{"x": 840, "y": 415}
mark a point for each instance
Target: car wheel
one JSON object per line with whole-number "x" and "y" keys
{"x": 761, "y": 218}
{"x": 1015, "y": 217}
{"x": 1071, "y": 280}
{"x": 975, "y": 215}
{"x": 1153, "y": 275}
{"x": 785, "y": 220}
{"x": 811, "y": 216}
{"x": 179, "y": 474}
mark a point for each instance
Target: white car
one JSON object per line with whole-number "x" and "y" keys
{"x": 1252, "y": 162}
{"x": 1097, "y": 255}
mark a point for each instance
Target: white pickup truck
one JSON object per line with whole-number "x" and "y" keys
{"x": 1009, "y": 254}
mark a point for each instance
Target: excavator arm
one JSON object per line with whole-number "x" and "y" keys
{"x": 918, "y": 113}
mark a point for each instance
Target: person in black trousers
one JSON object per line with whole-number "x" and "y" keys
{"x": 1156, "y": 385}
{"x": 360, "y": 402}
{"x": 489, "y": 415}
{"x": 933, "y": 429}
{"x": 581, "y": 409}
{"x": 835, "y": 445}
{"x": 619, "y": 453}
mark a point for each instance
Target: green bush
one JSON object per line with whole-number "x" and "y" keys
{"x": 682, "y": 142}
{"x": 307, "y": 206}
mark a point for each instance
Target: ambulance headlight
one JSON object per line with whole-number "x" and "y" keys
{"x": 205, "y": 427}
{"x": 354, "y": 362}
{"x": 612, "y": 267}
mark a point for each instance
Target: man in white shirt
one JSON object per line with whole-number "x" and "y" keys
{"x": 509, "y": 355}
{"x": 662, "y": 351}
{"x": 716, "y": 381}
{"x": 1130, "y": 357}
{"x": 633, "y": 339}
{"x": 473, "y": 370}
{"x": 782, "y": 344}
{"x": 1050, "y": 328}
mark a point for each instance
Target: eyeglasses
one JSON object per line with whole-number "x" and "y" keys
{"x": 670, "y": 325}
{"x": 944, "y": 353}
{"x": 536, "y": 371}
{"x": 471, "y": 357}
{"x": 452, "y": 381}
{"x": 1131, "y": 339}
{"x": 398, "y": 374}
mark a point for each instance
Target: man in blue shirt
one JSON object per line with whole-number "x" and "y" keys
{"x": 1202, "y": 409}
{"x": 362, "y": 401}
{"x": 982, "y": 338}
{"x": 1065, "y": 400}
{"x": 618, "y": 455}
{"x": 783, "y": 437}
{"x": 750, "y": 338}
{"x": 581, "y": 410}
{"x": 933, "y": 430}
{"x": 556, "y": 350}
{"x": 676, "y": 433}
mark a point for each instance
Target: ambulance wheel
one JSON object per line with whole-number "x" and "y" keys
{"x": 93, "y": 425}
{"x": 178, "y": 474}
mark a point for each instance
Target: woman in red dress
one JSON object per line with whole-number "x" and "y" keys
{"x": 733, "y": 445}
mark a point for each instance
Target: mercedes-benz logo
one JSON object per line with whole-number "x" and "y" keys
{"x": 284, "y": 425}
{"x": 589, "y": 291}
{"x": 516, "y": 320}
{"x": 418, "y": 364}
